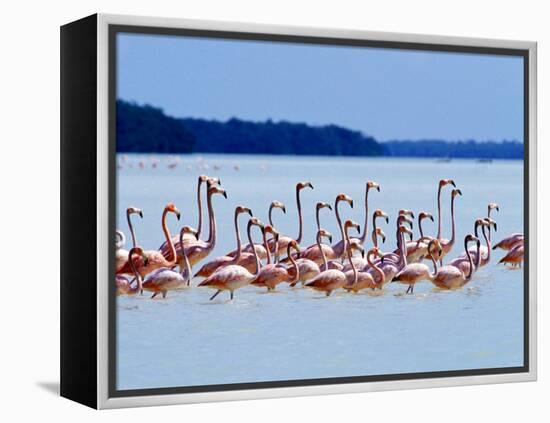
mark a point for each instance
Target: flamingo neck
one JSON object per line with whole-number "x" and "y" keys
{"x": 322, "y": 252}
{"x": 237, "y": 233}
{"x": 199, "y": 206}
{"x": 132, "y": 232}
{"x": 420, "y": 227}
{"x": 487, "y": 242}
{"x": 256, "y": 259}
{"x": 270, "y": 215}
{"x": 374, "y": 237}
{"x": 376, "y": 268}
{"x": 434, "y": 261}
{"x": 317, "y": 218}
{"x": 300, "y": 222}
{"x": 294, "y": 264}
{"x": 403, "y": 250}
{"x": 266, "y": 246}
{"x": 136, "y": 273}
{"x": 212, "y": 222}
{"x": 470, "y": 260}
{"x": 439, "y": 212}
{"x": 352, "y": 266}
{"x": 363, "y": 237}
{"x": 337, "y": 212}
{"x": 186, "y": 265}
{"x": 453, "y": 220}
{"x": 171, "y": 248}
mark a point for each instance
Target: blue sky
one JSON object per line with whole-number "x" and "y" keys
{"x": 389, "y": 94}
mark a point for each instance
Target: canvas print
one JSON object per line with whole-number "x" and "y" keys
{"x": 294, "y": 211}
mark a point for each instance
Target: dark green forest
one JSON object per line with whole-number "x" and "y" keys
{"x": 146, "y": 129}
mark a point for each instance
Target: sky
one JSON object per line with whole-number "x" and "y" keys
{"x": 385, "y": 93}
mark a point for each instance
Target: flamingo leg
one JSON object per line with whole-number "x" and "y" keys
{"x": 328, "y": 293}
{"x": 154, "y": 295}
{"x": 164, "y": 294}
{"x": 215, "y": 294}
{"x": 231, "y": 297}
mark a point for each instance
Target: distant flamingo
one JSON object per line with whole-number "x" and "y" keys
{"x": 233, "y": 277}
{"x": 415, "y": 272}
{"x": 328, "y": 280}
{"x": 213, "y": 265}
{"x": 447, "y": 244}
{"x": 451, "y": 277}
{"x": 273, "y": 274}
{"x": 155, "y": 259}
{"x": 284, "y": 240}
{"x": 122, "y": 283}
{"x": 515, "y": 256}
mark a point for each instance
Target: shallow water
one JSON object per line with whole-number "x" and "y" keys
{"x": 186, "y": 340}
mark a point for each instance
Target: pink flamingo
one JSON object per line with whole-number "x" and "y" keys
{"x": 362, "y": 263}
{"x": 515, "y": 256}
{"x": 369, "y": 185}
{"x": 273, "y": 274}
{"x": 284, "y": 240}
{"x": 484, "y": 249}
{"x": 417, "y": 250}
{"x": 233, "y": 277}
{"x": 312, "y": 252}
{"x": 451, "y": 277}
{"x": 122, "y": 255}
{"x": 358, "y": 280}
{"x": 396, "y": 255}
{"x": 328, "y": 280}
{"x": 463, "y": 262}
{"x": 122, "y": 283}
{"x": 209, "y": 268}
{"x": 162, "y": 280}
{"x": 509, "y": 242}
{"x": 412, "y": 273}
{"x": 447, "y": 244}
{"x": 155, "y": 259}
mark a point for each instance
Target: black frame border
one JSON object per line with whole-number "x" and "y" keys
{"x": 114, "y": 29}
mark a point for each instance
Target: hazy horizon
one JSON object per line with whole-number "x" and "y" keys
{"x": 385, "y": 93}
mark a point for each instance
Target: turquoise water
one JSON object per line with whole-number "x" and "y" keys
{"x": 186, "y": 340}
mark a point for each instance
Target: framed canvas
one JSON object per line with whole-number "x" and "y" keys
{"x": 254, "y": 211}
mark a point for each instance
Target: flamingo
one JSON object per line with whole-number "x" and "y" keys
{"x": 312, "y": 252}
{"x": 122, "y": 255}
{"x": 362, "y": 263}
{"x": 515, "y": 256}
{"x": 233, "y": 277}
{"x": 412, "y": 273}
{"x": 198, "y": 250}
{"x": 484, "y": 249}
{"x": 330, "y": 279}
{"x": 447, "y": 244}
{"x": 417, "y": 250}
{"x": 368, "y": 186}
{"x": 122, "y": 283}
{"x": 210, "y": 267}
{"x": 155, "y": 259}
{"x": 358, "y": 280}
{"x": 273, "y": 274}
{"x": 451, "y": 277}
{"x": 162, "y": 280}
{"x": 284, "y": 240}
{"x": 396, "y": 255}
{"x": 442, "y": 183}
{"x": 491, "y": 207}
{"x": 463, "y": 262}
{"x": 509, "y": 242}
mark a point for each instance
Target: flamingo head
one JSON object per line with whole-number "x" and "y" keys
{"x": 139, "y": 251}
{"x": 356, "y": 246}
{"x": 376, "y": 252}
{"x": 134, "y": 210}
{"x": 214, "y": 189}
{"x": 302, "y": 185}
{"x": 404, "y": 219}
{"x": 469, "y": 238}
{"x": 490, "y": 222}
{"x": 444, "y": 182}
{"x": 188, "y": 230}
{"x": 492, "y": 206}
{"x": 379, "y": 232}
{"x": 351, "y": 224}
{"x": 405, "y": 230}
{"x": 372, "y": 184}
{"x": 425, "y": 215}
{"x": 277, "y": 205}
{"x": 322, "y": 205}
{"x": 456, "y": 192}
{"x": 405, "y": 212}
{"x": 322, "y": 233}
{"x": 242, "y": 209}
{"x": 434, "y": 248}
{"x": 379, "y": 213}
{"x": 171, "y": 207}
{"x": 254, "y": 221}
{"x": 293, "y": 244}
{"x": 271, "y": 230}
{"x": 344, "y": 197}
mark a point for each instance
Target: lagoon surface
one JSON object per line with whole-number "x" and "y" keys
{"x": 186, "y": 340}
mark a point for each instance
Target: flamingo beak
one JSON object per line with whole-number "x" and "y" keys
{"x": 358, "y": 227}
{"x": 178, "y": 214}
{"x": 329, "y": 207}
{"x": 383, "y": 240}
{"x": 140, "y": 214}
{"x": 432, "y": 218}
{"x": 249, "y": 211}
{"x": 378, "y": 188}
{"x": 351, "y": 203}
{"x": 330, "y": 239}
{"x": 283, "y": 209}
{"x": 309, "y": 184}
{"x": 145, "y": 259}
{"x": 224, "y": 194}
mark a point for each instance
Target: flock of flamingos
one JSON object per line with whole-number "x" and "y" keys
{"x": 277, "y": 258}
